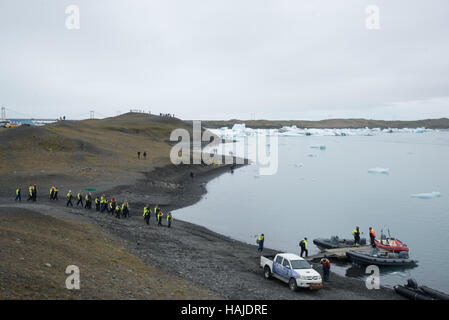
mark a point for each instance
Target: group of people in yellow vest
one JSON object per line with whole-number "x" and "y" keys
{"x": 159, "y": 215}
{"x": 101, "y": 204}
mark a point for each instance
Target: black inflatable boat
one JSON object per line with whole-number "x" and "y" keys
{"x": 335, "y": 242}
{"x": 413, "y": 292}
{"x": 381, "y": 258}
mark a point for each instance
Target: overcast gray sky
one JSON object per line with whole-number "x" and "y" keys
{"x": 223, "y": 59}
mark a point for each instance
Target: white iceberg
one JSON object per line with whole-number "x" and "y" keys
{"x": 318, "y": 147}
{"x": 379, "y": 170}
{"x": 430, "y": 195}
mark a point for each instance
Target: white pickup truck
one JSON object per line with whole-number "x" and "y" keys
{"x": 291, "y": 269}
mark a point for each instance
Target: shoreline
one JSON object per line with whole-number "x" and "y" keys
{"x": 223, "y": 265}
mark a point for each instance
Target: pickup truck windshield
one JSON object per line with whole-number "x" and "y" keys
{"x": 300, "y": 264}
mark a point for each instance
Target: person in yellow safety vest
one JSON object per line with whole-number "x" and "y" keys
{"x": 97, "y": 204}
{"x": 112, "y": 206}
{"x": 52, "y": 192}
{"x": 146, "y": 214}
{"x": 103, "y": 203}
{"x": 80, "y": 199}
{"x": 356, "y": 234}
{"x": 69, "y": 198}
{"x": 260, "y": 242}
{"x": 55, "y": 196}
{"x": 117, "y": 211}
{"x": 88, "y": 201}
{"x": 18, "y": 195}
{"x": 159, "y": 218}
{"x": 30, "y": 190}
{"x": 303, "y": 245}
{"x": 169, "y": 219}
{"x": 125, "y": 209}
{"x": 156, "y": 210}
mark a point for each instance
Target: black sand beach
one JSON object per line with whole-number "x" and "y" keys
{"x": 226, "y": 267}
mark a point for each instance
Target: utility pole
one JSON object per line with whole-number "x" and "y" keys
{"x": 92, "y": 116}
{"x": 3, "y": 113}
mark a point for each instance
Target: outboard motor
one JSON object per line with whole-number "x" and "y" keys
{"x": 411, "y": 283}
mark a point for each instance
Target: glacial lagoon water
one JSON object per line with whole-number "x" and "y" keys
{"x": 332, "y": 191}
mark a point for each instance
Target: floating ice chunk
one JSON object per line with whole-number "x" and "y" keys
{"x": 319, "y": 147}
{"x": 379, "y": 170}
{"x": 431, "y": 195}
{"x": 311, "y": 155}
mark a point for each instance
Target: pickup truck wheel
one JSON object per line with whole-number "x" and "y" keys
{"x": 292, "y": 284}
{"x": 267, "y": 273}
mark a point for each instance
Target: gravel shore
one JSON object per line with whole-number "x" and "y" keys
{"x": 223, "y": 265}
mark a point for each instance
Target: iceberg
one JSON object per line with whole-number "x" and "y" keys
{"x": 430, "y": 195}
{"x": 379, "y": 170}
{"x": 318, "y": 147}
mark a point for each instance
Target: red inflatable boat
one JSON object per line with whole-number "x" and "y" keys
{"x": 391, "y": 244}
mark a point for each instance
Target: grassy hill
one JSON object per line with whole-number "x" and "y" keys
{"x": 88, "y": 149}
{"x": 442, "y": 123}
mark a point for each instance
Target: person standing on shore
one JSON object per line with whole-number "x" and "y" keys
{"x": 326, "y": 267}
{"x": 55, "y": 196}
{"x": 18, "y": 194}
{"x": 145, "y": 155}
{"x": 159, "y": 218}
{"x": 103, "y": 203}
{"x": 88, "y": 201}
{"x": 372, "y": 237}
{"x": 303, "y": 245}
{"x": 356, "y": 234}
{"x": 146, "y": 214}
{"x": 260, "y": 242}
{"x": 169, "y": 219}
{"x": 52, "y": 192}
{"x": 156, "y": 210}
{"x": 138, "y": 155}
{"x": 69, "y": 198}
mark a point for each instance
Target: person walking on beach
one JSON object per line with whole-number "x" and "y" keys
{"x": 30, "y": 193}
{"x": 356, "y": 234}
{"x": 34, "y": 193}
{"x": 103, "y": 203}
{"x": 125, "y": 209}
{"x": 146, "y": 214}
{"x": 117, "y": 211}
{"x": 326, "y": 267}
{"x": 159, "y": 218}
{"x": 260, "y": 242}
{"x": 97, "y": 203}
{"x": 69, "y": 198}
{"x": 18, "y": 194}
{"x": 138, "y": 155}
{"x": 80, "y": 200}
{"x": 169, "y": 219}
{"x": 372, "y": 237}
{"x": 303, "y": 245}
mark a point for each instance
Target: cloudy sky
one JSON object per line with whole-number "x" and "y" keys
{"x": 223, "y": 59}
